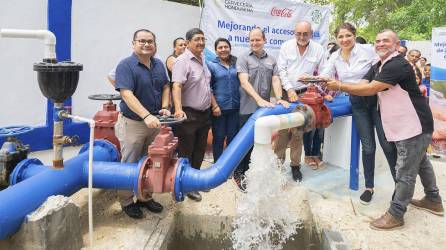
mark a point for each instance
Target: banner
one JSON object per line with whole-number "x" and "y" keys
{"x": 437, "y": 99}
{"x": 233, "y": 19}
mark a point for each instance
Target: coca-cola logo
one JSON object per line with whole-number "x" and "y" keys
{"x": 281, "y": 12}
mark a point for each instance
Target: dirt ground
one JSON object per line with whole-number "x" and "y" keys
{"x": 324, "y": 192}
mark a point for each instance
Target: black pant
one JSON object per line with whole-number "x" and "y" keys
{"x": 244, "y": 164}
{"x": 193, "y": 134}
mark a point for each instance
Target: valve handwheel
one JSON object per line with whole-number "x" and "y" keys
{"x": 14, "y": 131}
{"x": 167, "y": 120}
{"x": 105, "y": 97}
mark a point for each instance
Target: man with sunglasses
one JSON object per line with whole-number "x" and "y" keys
{"x": 142, "y": 82}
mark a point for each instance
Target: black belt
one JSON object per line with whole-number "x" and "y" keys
{"x": 195, "y": 110}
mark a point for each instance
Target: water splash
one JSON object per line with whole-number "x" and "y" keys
{"x": 263, "y": 219}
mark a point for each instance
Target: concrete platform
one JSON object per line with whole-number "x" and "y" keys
{"x": 321, "y": 201}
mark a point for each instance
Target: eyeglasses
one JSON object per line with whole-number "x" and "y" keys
{"x": 143, "y": 42}
{"x": 304, "y": 34}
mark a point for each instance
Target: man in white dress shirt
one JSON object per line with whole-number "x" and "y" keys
{"x": 298, "y": 57}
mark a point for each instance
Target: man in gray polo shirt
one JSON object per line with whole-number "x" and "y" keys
{"x": 192, "y": 99}
{"x": 257, "y": 72}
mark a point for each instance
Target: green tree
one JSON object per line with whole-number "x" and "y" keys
{"x": 411, "y": 19}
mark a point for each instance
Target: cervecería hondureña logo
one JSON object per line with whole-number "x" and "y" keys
{"x": 239, "y": 6}
{"x": 316, "y": 16}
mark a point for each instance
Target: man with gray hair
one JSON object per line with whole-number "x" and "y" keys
{"x": 298, "y": 57}
{"x": 407, "y": 121}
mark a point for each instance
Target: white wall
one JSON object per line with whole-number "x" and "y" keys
{"x": 21, "y": 101}
{"x": 101, "y": 36}
{"x": 102, "y": 32}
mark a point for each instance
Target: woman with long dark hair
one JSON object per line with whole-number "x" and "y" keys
{"x": 350, "y": 63}
{"x": 225, "y": 86}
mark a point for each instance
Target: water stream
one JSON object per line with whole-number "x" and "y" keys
{"x": 263, "y": 219}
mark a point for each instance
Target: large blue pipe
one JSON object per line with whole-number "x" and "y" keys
{"x": 41, "y": 182}
{"x": 190, "y": 179}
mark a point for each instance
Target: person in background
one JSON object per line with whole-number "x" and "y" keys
{"x": 350, "y": 64}
{"x": 179, "y": 45}
{"x": 191, "y": 92}
{"x": 258, "y": 73}
{"x": 413, "y": 57}
{"x": 142, "y": 82}
{"x": 402, "y": 50}
{"x": 427, "y": 72}
{"x": 421, "y": 64}
{"x": 225, "y": 89}
{"x": 330, "y": 45}
{"x": 407, "y": 121}
{"x": 360, "y": 40}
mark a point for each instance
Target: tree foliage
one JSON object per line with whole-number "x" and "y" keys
{"x": 411, "y": 19}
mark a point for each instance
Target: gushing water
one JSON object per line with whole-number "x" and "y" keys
{"x": 263, "y": 220}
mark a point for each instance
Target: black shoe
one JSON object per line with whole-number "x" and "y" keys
{"x": 194, "y": 195}
{"x": 366, "y": 197}
{"x": 240, "y": 182}
{"x": 133, "y": 211}
{"x": 151, "y": 205}
{"x": 297, "y": 175}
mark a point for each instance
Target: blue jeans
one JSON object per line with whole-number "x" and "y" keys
{"x": 224, "y": 126}
{"x": 313, "y": 141}
{"x": 412, "y": 161}
{"x": 366, "y": 116}
{"x": 243, "y": 166}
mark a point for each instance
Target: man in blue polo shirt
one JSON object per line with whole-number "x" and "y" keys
{"x": 142, "y": 82}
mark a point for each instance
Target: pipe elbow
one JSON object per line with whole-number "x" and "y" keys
{"x": 47, "y": 36}
{"x": 265, "y": 125}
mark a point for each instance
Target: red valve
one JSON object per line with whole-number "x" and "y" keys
{"x": 105, "y": 121}
{"x": 314, "y": 99}
{"x": 158, "y": 170}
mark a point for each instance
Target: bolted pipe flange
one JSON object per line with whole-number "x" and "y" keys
{"x": 142, "y": 192}
{"x": 178, "y": 194}
{"x": 110, "y": 147}
{"x": 16, "y": 175}
{"x": 310, "y": 117}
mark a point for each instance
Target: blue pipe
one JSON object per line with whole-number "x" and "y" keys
{"x": 24, "y": 197}
{"x": 189, "y": 179}
{"x": 354, "y": 158}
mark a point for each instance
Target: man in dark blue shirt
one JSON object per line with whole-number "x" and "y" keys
{"x": 142, "y": 81}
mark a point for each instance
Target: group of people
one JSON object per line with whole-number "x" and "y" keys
{"x": 224, "y": 92}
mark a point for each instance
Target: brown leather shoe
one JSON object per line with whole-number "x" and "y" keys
{"x": 425, "y": 204}
{"x": 386, "y": 222}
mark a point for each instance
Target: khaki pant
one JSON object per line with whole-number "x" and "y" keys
{"x": 292, "y": 136}
{"x": 135, "y": 138}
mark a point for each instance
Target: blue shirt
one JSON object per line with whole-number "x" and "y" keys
{"x": 225, "y": 83}
{"x": 146, "y": 84}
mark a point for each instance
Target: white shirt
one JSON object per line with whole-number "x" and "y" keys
{"x": 362, "y": 57}
{"x": 292, "y": 64}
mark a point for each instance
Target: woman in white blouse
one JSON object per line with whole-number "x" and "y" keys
{"x": 350, "y": 63}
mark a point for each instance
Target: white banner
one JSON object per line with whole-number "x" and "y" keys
{"x": 233, "y": 19}
{"x": 438, "y": 89}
